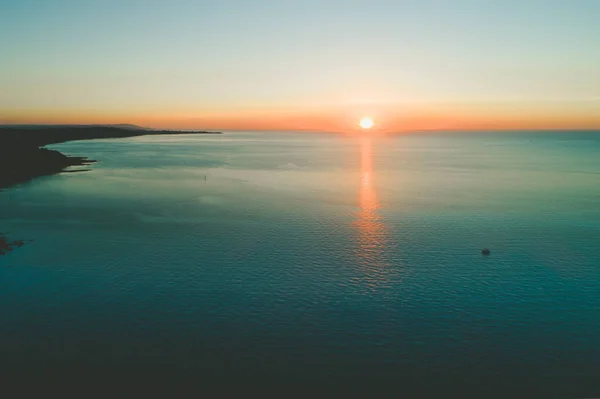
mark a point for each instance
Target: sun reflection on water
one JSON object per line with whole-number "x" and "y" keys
{"x": 371, "y": 232}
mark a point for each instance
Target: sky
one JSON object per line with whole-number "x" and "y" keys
{"x": 302, "y": 65}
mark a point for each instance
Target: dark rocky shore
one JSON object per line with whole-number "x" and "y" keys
{"x": 7, "y": 246}
{"x": 20, "y": 164}
{"x": 22, "y": 156}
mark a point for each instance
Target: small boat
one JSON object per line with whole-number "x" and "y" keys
{"x": 485, "y": 251}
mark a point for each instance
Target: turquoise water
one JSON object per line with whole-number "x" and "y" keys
{"x": 295, "y": 256}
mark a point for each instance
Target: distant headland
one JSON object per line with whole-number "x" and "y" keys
{"x": 22, "y": 156}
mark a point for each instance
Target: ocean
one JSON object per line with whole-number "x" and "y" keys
{"x": 286, "y": 258}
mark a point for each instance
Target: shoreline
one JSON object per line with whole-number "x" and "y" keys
{"x": 24, "y": 158}
{"x": 7, "y": 246}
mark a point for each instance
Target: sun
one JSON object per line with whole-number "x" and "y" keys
{"x": 366, "y": 122}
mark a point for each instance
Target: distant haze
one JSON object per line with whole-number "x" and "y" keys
{"x": 302, "y": 65}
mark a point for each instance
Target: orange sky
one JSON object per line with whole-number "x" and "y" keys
{"x": 331, "y": 119}
{"x": 305, "y": 65}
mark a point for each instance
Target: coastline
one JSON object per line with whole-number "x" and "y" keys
{"x": 23, "y": 156}
{"x": 7, "y": 246}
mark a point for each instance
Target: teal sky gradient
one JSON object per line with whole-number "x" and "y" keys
{"x": 211, "y": 57}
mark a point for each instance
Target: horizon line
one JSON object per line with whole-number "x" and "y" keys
{"x": 273, "y": 130}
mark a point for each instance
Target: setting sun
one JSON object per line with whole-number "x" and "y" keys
{"x": 366, "y": 122}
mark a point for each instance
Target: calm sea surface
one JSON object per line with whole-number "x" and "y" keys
{"x": 291, "y": 256}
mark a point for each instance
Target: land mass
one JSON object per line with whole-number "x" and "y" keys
{"x": 23, "y": 156}
{"x": 7, "y": 246}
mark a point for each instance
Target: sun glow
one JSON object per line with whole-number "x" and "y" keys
{"x": 366, "y": 122}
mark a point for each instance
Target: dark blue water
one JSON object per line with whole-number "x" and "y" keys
{"x": 289, "y": 258}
